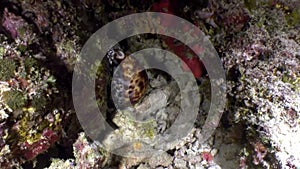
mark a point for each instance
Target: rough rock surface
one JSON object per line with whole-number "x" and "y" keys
{"x": 258, "y": 42}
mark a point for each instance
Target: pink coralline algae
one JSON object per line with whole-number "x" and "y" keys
{"x": 207, "y": 156}
{"x": 88, "y": 154}
{"x": 31, "y": 150}
{"x": 237, "y": 21}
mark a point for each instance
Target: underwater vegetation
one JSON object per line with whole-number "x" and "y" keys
{"x": 258, "y": 42}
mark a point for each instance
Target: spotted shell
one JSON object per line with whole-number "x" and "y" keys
{"x": 128, "y": 85}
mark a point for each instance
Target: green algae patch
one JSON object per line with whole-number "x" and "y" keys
{"x": 14, "y": 99}
{"x": 7, "y": 69}
{"x": 293, "y": 18}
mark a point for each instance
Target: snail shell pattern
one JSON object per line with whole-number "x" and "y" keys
{"x": 129, "y": 85}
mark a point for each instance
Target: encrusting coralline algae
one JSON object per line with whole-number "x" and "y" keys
{"x": 258, "y": 42}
